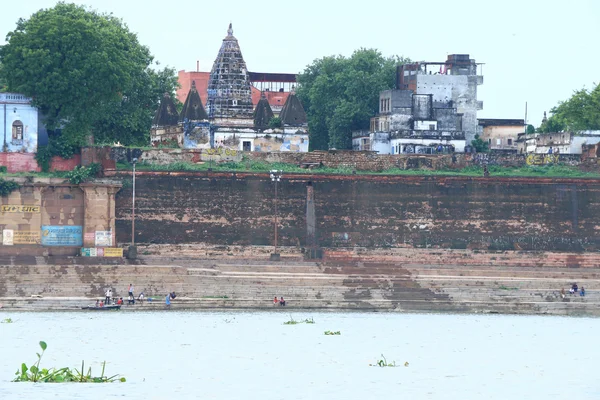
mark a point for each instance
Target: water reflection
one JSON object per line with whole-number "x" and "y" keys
{"x": 234, "y": 355}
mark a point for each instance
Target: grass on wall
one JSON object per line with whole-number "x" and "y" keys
{"x": 551, "y": 171}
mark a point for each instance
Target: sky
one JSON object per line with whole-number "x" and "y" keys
{"x": 535, "y": 52}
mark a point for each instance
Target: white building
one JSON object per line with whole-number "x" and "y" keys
{"x": 19, "y": 123}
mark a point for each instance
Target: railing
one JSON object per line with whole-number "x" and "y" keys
{"x": 14, "y": 98}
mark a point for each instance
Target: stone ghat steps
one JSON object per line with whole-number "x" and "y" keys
{"x": 527, "y": 307}
{"x": 521, "y": 259}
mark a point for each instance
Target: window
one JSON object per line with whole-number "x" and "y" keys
{"x": 431, "y": 127}
{"x": 510, "y": 142}
{"x": 17, "y": 131}
{"x": 490, "y": 142}
{"x": 498, "y": 142}
{"x": 246, "y": 146}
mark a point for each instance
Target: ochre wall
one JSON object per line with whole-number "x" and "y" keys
{"x": 380, "y": 211}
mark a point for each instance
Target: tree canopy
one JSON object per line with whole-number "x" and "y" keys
{"x": 579, "y": 113}
{"x": 86, "y": 72}
{"x": 341, "y": 94}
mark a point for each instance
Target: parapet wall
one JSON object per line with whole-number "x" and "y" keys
{"x": 372, "y": 211}
{"x": 352, "y": 160}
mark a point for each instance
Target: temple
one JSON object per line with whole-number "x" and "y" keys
{"x": 233, "y": 108}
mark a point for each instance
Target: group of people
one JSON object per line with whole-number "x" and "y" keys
{"x": 109, "y": 300}
{"x": 574, "y": 289}
{"x": 281, "y": 301}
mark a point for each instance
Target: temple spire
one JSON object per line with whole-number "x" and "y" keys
{"x": 230, "y": 30}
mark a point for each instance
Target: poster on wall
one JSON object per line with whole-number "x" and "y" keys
{"x": 103, "y": 238}
{"x": 7, "y": 237}
{"x": 62, "y": 235}
{"x": 27, "y": 237}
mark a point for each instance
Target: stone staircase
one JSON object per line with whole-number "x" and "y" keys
{"x": 406, "y": 280}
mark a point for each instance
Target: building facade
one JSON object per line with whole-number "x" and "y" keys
{"x": 501, "y": 134}
{"x": 20, "y": 121}
{"x": 427, "y": 112}
{"x": 557, "y": 142}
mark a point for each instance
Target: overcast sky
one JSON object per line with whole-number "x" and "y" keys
{"x": 534, "y": 51}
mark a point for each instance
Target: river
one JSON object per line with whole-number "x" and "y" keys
{"x": 253, "y": 355}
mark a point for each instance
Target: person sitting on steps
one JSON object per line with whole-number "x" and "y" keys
{"x": 281, "y": 301}
{"x": 275, "y": 301}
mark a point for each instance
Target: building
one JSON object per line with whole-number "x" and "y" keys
{"x": 427, "y": 112}
{"x": 275, "y": 87}
{"x": 453, "y": 81}
{"x": 20, "y": 123}
{"x": 557, "y": 142}
{"x": 234, "y": 118}
{"x": 501, "y": 134}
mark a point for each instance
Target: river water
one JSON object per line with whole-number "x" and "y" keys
{"x": 253, "y": 355}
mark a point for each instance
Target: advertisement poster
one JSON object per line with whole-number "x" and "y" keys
{"x": 89, "y": 252}
{"x": 103, "y": 238}
{"x": 26, "y": 237}
{"x": 62, "y": 235}
{"x": 113, "y": 252}
{"x": 7, "y": 237}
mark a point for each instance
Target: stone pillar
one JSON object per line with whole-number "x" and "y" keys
{"x": 99, "y": 211}
{"x": 311, "y": 223}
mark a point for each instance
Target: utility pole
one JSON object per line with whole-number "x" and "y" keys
{"x": 275, "y": 177}
{"x": 132, "y": 249}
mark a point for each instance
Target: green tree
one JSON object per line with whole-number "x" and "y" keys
{"x": 129, "y": 120}
{"x": 480, "y": 145}
{"x": 580, "y": 112}
{"x": 77, "y": 65}
{"x": 3, "y": 87}
{"x": 341, "y": 94}
{"x": 530, "y": 129}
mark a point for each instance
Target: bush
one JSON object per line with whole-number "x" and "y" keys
{"x": 7, "y": 187}
{"x": 83, "y": 174}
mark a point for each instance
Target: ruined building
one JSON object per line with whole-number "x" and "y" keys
{"x": 432, "y": 109}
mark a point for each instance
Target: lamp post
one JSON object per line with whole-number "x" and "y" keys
{"x": 132, "y": 249}
{"x": 275, "y": 177}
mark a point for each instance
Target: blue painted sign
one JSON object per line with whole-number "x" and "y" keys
{"x": 62, "y": 235}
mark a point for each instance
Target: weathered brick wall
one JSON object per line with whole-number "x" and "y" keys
{"x": 352, "y": 160}
{"x": 380, "y": 211}
{"x": 25, "y": 162}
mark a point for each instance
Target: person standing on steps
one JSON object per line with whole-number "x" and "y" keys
{"x": 130, "y": 290}
{"x": 168, "y": 301}
{"x": 108, "y": 296}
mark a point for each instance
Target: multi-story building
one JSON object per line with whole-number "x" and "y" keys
{"x": 429, "y": 111}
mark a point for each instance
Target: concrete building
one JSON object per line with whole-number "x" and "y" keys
{"x": 557, "y": 142}
{"x": 427, "y": 112}
{"x": 455, "y": 80}
{"x": 501, "y": 134}
{"x": 20, "y": 123}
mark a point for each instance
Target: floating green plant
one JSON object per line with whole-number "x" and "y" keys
{"x": 7, "y": 321}
{"x": 383, "y": 363}
{"x": 292, "y": 321}
{"x": 333, "y": 333}
{"x": 35, "y": 374}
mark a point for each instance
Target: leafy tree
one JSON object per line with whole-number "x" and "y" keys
{"x": 2, "y": 80}
{"x": 341, "y": 94}
{"x": 275, "y": 122}
{"x": 581, "y": 112}
{"x": 129, "y": 120}
{"x": 480, "y": 145}
{"x": 530, "y": 129}
{"x": 77, "y": 65}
